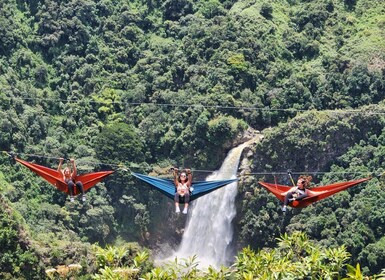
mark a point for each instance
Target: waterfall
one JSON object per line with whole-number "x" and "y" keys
{"x": 209, "y": 232}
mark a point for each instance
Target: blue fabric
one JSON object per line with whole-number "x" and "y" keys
{"x": 167, "y": 187}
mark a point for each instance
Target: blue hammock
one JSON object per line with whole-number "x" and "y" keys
{"x": 167, "y": 187}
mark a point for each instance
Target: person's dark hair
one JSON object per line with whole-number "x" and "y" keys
{"x": 306, "y": 179}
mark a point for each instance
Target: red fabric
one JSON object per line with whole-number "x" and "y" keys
{"x": 314, "y": 194}
{"x": 55, "y": 178}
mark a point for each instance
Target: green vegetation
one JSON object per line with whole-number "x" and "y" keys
{"x": 18, "y": 258}
{"x": 145, "y": 85}
{"x": 295, "y": 257}
{"x": 348, "y": 147}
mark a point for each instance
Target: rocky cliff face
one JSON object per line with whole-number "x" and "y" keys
{"x": 245, "y": 136}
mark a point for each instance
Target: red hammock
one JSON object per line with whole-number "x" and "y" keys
{"x": 55, "y": 178}
{"x": 314, "y": 194}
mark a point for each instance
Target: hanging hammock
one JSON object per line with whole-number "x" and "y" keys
{"x": 55, "y": 178}
{"x": 167, "y": 187}
{"x": 314, "y": 194}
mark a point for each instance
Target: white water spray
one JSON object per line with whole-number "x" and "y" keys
{"x": 209, "y": 231}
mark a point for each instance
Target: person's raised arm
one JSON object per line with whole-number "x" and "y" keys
{"x": 60, "y": 165}
{"x": 189, "y": 177}
{"x": 176, "y": 173}
{"x": 74, "y": 170}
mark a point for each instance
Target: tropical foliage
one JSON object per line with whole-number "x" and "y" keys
{"x": 146, "y": 85}
{"x": 351, "y": 218}
{"x": 294, "y": 257}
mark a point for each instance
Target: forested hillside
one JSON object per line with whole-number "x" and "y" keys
{"x": 145, "y": 85}
{"x": 332, "y": 147}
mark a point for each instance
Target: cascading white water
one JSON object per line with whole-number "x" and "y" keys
{"x": 209, "y": 231}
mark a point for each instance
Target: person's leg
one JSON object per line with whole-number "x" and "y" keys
{"x": 71, "y": 185}
{"x": 286, "y": 201}
{"x": 79, "y": 185}
{"x": 186, "y": 201}
{"x": 176, "y": 199}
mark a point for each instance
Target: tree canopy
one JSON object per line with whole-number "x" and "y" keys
{"x": 147, "y": 85}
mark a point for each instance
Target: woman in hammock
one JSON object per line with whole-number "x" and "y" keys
{"x": 299, "y": 192}
{"x": 69, "y": 177}
{"x": 182, "y": 184}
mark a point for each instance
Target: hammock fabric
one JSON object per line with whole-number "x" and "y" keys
{"x": 167, "y": 187}
{"x": 55, "y": 178}
{"x": 314, "y": 194}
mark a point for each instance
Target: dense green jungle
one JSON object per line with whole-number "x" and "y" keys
{"x": 144, "y": 85}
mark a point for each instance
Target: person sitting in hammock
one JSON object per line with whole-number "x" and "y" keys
{"x": 299, "y": 192}
{"x": 69, "y": 177}
{"x": 182, "y": 183}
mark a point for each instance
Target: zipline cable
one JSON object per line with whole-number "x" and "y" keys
{"x": 127, "y": 168}
{"x": 119, "y": 166}
{"x": 250, "y": 108}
